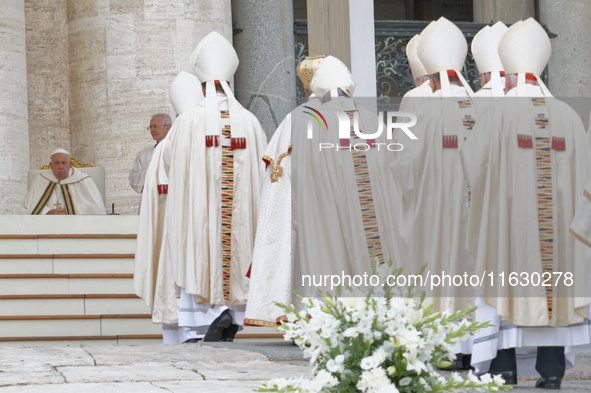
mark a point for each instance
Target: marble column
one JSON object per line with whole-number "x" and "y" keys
{"x": 569, "y": 69}
{"x": 48, "y": 87}
{"x": 123, "y": 55}
{"x": 14, "y": 132}
{"x": 265, "y": 80}
{"x": 328, "y": 28}
{"x": 345, "y": 29}
{"x": 508, "y": 11}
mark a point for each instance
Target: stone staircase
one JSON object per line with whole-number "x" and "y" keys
{"x": 73, "y": 285}
{"x": 69, "y": 281}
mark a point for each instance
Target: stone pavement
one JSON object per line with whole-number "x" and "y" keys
{"x": 213, "y": 367}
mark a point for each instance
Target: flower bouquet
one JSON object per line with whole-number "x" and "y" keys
{"x": 385, "y": 344}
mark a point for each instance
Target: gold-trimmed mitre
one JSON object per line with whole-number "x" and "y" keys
{"x": 306, "y": 69}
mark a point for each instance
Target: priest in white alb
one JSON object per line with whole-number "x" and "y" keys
{"x": 531, "y": 164}
{"x": 63, "y": 190}
{"x": 153, "y": 279}
{"x": 215, "y": 177}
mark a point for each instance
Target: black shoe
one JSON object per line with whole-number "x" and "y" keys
{"x": 466, "y": 360}
{"x": 457, "y": 364}
{"x": 192, "y": 341}
{"x": 216, "y": 329}
{"x": 229, "y": 333}
{"x": 549, "y": 383}
{"x": 510, "y": 377}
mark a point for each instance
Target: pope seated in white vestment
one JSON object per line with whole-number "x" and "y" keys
{"x": 63, "y": 190}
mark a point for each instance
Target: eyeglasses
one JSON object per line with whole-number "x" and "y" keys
{"x": 149, "y": 128}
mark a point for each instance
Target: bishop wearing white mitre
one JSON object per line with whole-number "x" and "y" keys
{"x": 531, "y": 163}
{"x": 324, "y": 212}
{"x": 215, "y": 178}
{"x": 153, "y": 280}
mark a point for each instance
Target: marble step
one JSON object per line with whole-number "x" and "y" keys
{"x": 67, "y": 244}
{"x": 77, "y": 325}
{"x": 90, "y": 304}
{"x": 133, "y": 339}
{"x": 66, "y": 284}
{"x": 66, "y": 264}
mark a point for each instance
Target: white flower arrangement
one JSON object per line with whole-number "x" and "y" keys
{"x": 385, "y": 344}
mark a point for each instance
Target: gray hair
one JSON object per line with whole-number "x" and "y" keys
{"x": 166, "y": 118}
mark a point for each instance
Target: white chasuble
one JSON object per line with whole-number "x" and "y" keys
{"x": 324, "y": 212}
{"x": 435, "y": 196}
{"x": 530, "y": 163}
{"x": 212, "y": 205}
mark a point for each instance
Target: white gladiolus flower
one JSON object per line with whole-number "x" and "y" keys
{"x": 473, "y": 378}
{"x": 413, "y": 363}
{"x": 486, "y": 378}
{"x": 359, "y": 340}
{"x": 498, "y": 380}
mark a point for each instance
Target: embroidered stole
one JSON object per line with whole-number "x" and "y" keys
{"x": 227, "y": 202}
{"x": 47, "y": 194}
{"x": 543, "y": 146}
{"x": 368, "y": 210}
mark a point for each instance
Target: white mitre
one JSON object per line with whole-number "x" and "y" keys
{"x": 56, "y": 151}
{"x": 214, "y": 59}
{"x": 486, "y": 54}
{"x": 185, "y": 92}
{"x": 442, "y": 47}
{"x": 525, "y": 48}
{"x": 416, "y": 67}
{"x": 331, "y": 75}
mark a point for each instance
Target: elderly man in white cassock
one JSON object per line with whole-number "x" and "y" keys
{"x": 322, "y": 212}
{"x": 160, "y": 124}
{"x": 153, "y": 279}
{"x": 215, "y": 177}
{"x": 435, "y": 197}
{"x": 532, "y": 164}
{"x": 63, "y": 190}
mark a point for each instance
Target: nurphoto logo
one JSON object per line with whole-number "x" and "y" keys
{"x": 392, "y": 121}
